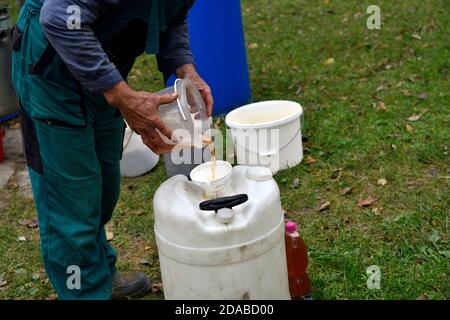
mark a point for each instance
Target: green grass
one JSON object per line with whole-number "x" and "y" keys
{"x": 405, "y": 231}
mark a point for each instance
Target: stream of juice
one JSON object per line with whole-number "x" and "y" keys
{"x": 210, "y": 144}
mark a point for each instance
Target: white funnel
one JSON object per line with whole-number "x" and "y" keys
{"x": 203, "y": 177}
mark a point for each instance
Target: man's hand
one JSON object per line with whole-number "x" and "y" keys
{"x": 188, "y": 71}
{"x": 140, "y": 110}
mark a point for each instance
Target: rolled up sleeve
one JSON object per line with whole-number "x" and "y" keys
{"x": 174, "y": 48}
{"x": 79, "y": 48}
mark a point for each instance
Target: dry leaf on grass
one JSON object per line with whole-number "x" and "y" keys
{"x": 366, "y": 202}
{"x": 253, "y": 45}
{"x": 376, "y": 211}
{"x": 109, "y": 235}
{"x": 324, "y": 206}
{"x": 414, "y": 117}
{"x": 329, "y": 61}
{"x": 422, "y": 95}
{"x": 346, "y": 191}
{"x": 409, "y": 128}
{"x": 30, "y": 223}
{"x": 309, "y": 160}
{"x": 53, "y": 296}
{"x": 381, "y": 106}
{"x": 3, "y": 281}
{"x": 156, "y": 287}
{"x": 145, "y": 262}
{"x": 382, "y": 182}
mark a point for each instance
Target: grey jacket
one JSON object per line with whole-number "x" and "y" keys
{"x": 81, "y": 43}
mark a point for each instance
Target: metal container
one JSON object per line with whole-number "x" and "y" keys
{"x": 8, "y": 100}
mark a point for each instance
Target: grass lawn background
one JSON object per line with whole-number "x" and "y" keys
{"x": 358, "y": 87}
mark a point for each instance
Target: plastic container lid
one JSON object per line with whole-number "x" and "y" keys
{"x": 291, "y": 227}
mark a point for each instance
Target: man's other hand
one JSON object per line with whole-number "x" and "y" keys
{"x": 188, "y": 71}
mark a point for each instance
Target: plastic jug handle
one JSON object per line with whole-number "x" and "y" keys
{"x": 224, "y": 202}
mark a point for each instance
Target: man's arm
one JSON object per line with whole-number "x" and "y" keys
{"x": 174, "y": 48}
{"x": 175, "y": 56}
{"x": 76, "y": 44}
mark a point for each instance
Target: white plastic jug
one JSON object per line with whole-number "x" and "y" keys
{"x": 221, "y": 239}
{"x": 137, "y": 158}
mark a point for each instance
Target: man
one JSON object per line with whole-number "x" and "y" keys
{"x": 71, "y": 59}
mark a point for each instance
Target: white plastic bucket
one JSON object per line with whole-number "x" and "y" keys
{"x": 267, "y": 133}
{"x": 137, "y": 158}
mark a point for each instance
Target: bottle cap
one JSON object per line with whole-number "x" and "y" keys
{"x": 291, "y": 227}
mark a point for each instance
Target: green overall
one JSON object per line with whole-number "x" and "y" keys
{"x": 73, "y": 142}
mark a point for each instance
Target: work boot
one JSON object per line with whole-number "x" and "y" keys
{"x": 130, "y": 285}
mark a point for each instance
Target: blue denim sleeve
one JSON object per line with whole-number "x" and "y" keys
{"x": 75, "y": 42}
{"x": 174, "y": 47}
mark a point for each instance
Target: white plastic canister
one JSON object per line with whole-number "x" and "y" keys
{"x": 267, "y": 133}
{"x": 137, "y": 158}
{"x": 203, "y": 256}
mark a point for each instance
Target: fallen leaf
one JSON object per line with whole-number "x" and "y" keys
{"x": 324, "y": 206}
{"x": 329, "y": 61}
{"x": 145, "y": 262}
{"x": 366, "y": 202}
{"x": 253, "y": 45}
{"x": 416, "y": 36}
{"x": 381, "y": 106}
{"x": 376, "y": 211}
{"x": 399, "y": 84}
{"x": 22, "y": 238}
{"x": 382, "y": 182}
{"x": 147, "y": 248}
{"x": 422, "y": 95}
{"x": 3, "y": 283}
{"x": 346, "y": 191}
{"x": 156, "y": 287}
{"x": 422, "y": 297}
{"x": 380, "y": 88}
{"x": 409, "y": 128}
{"x": 309, "y": 160}
{"x": 414, "y": 117}
{"x": 109, "y": 235}
{"x": 407, "y": 93}
{"x": 30, "y": 223}
{"x": 53, "y": 296}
